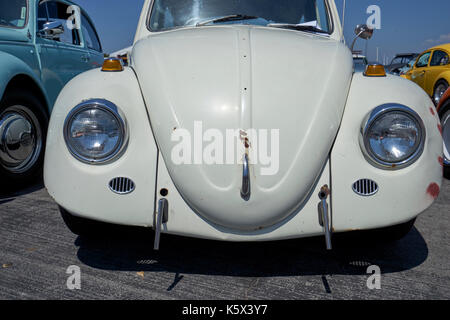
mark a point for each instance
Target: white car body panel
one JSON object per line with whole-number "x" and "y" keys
{"x": 173, "y": 82}
{"x": 84, "y": 191}
{"x": 273, "y": 80}
{"x": 403, "y": 193}
{"x": 184, "y": 221}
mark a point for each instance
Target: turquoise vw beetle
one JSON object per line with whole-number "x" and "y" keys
{"x": 43, "y": 45}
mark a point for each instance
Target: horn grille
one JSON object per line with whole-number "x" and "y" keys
{"x": 365, "y": 187}
{"x": 122, "y": 185}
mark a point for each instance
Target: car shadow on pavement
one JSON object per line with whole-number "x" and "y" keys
{"x": 9, "y": 193}
{"x": 131, "y": 250}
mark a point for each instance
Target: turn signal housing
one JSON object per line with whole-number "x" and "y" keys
{"x": 112, "y": 65}
{"x": 375, "y": 70}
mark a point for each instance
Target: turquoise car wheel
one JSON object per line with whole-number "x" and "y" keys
{"x": 23, "y": 124}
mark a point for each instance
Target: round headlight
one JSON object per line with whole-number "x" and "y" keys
{"x": 95, "y": 132}
{"x": 393, "y": 136}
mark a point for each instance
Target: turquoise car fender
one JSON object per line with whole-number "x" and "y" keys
{"x": 11, "y": 67}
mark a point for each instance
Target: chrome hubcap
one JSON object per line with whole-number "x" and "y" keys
{"x": 20, "y": 139}
{"x": 446, "y": 136}
{"x": 439, "y": 92}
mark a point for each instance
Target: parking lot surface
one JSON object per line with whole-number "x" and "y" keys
{"x": 36, "y": 249}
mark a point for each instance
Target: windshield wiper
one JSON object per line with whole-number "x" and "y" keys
{"x": 299, "y": 27}
{"x": 233, "y": 17}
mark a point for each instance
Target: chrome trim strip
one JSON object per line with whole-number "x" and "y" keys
{"x": 245, "y": 190}
{"x": 377, "y": 113}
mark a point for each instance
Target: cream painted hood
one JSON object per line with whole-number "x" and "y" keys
{"x": 241, "y": 78}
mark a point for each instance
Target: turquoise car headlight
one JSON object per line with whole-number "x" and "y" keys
{"x": 95, "y": 132}
{"x": 393, "y": 136}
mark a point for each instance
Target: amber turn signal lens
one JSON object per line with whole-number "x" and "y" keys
{"x": 375, "y": 70}
{"x": 112, "y": 65}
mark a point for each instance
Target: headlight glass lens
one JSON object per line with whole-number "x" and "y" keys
{"x": 394, "y": 137}
{"x": 94, "y": 133}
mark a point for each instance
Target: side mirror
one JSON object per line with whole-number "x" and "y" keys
{"x": 362, "y": 31}
{"x": 52, "y": 30}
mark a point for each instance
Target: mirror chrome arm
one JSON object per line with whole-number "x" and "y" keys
{"x": 362, "y": 31}
{"x": 51, "y": 30}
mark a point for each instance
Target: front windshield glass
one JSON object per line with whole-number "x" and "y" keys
{"x": 169, "y": 14}
{"x": 13, "y": 13}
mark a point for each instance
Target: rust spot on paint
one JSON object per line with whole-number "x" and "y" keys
{"x": 325, "y": 191}
{"x": 245, "y": 140}
{"x": 441, "y": 161}
{"x": 433, "y": 190}
{"x": 440, "y": 128}
{"x": 247, "y": 143}
{"x": 432, "y": 111}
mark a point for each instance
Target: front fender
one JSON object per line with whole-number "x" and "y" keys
{"x": 84, "y": 191}
{"x": 11, "y": 67}
{"x": 403, "y": 194}
{"x": 443, "y": 75}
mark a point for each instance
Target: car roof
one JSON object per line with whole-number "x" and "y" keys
{"x": 445, "y": 46}
{"x": 405, "y": 55}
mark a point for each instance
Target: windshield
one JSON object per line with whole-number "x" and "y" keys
{"x": 169, "y": 14}
{"x": 13, "y": 13}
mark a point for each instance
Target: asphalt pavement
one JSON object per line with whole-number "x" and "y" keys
{"x": 37, "y": 250}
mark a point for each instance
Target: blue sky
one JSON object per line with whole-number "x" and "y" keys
{"x": 406, "y": 25}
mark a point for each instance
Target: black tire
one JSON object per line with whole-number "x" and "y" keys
{"x": 443, "y": 114}
{"x": 34, "y": 109}
{"x": 437, "y": 85}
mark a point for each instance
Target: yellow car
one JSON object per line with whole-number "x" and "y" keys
{"x": 432, "y": 71}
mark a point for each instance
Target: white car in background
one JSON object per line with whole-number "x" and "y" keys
{"x": 356, "y": 151}
{"x": 123, "y": 54}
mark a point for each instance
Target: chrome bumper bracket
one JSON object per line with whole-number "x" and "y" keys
{"x": 162, "y": 216}
{"x": 324, "y": 218}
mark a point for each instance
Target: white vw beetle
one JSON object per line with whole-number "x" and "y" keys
{"x": 347, "y": 150}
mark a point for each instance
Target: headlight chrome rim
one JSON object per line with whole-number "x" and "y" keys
{"x": 375, "y": 115}
{"x": 103, "y": 105}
